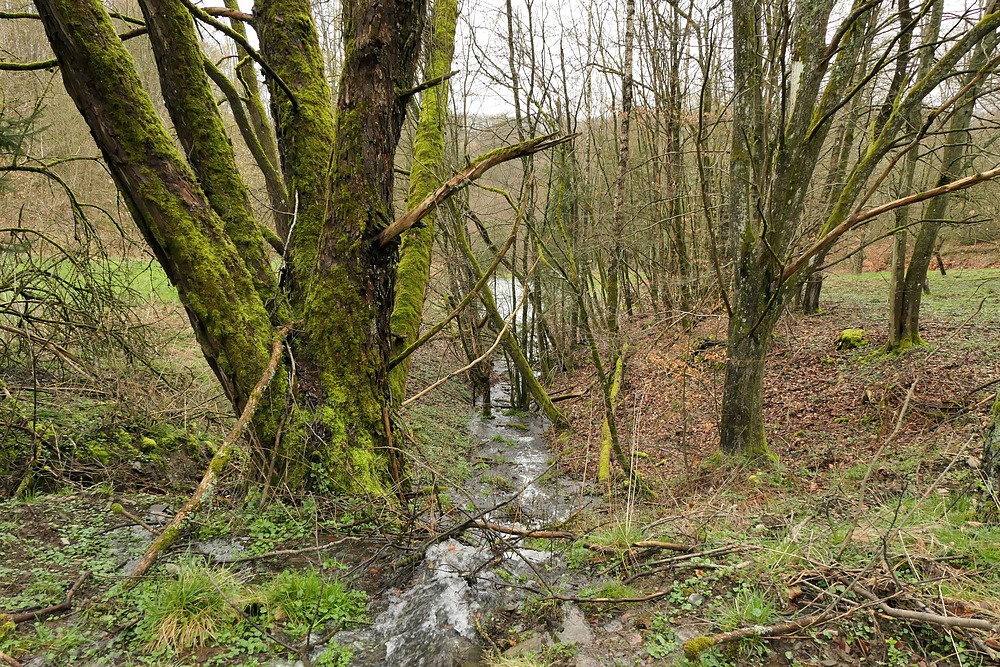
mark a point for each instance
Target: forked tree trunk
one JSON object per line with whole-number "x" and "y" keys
{"x": 193, "y": 211}
{"x": 346, "y": 278}
{"x": 904, "y": 313}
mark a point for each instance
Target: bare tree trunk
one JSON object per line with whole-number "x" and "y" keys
{"x": 616, "y": 258}
{"x": 905, "y": 311}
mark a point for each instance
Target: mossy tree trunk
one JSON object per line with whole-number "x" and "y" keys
{"x": 339, "y": 165}
{"x": 215, "y": 282}
{"x": 768, "y": 181}
{"x": 426, "y": 174}
{"x": 904, "y": 319}
{"x": 193, "y": 210}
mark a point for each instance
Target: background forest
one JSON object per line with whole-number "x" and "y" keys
{"x": 304, "y": 303}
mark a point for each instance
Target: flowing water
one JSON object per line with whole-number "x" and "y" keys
{"x": 432, "y": 621}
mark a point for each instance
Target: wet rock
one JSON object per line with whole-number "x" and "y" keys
{"x": 575, "y": 629}
{"x": 159, "y": 514}
{"x": 219, "y": 549}
{"x": 531, "y": 645}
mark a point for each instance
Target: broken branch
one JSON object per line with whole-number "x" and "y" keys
{"x": 65, "y": 605}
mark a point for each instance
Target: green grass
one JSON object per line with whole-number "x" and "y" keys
{"x": 953, "y": 298}
{"x": 142, "y": 280}
{"x": 190, "y": 608}
{"x": 303, "y": 600}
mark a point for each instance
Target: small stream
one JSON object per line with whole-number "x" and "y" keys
{"x": 432, "y": 621}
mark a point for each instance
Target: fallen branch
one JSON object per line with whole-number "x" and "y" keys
{"x": 582, "y": 599}
{"x": 9, "y": 660}
{"x": 569, "y": 397}
{"x": 465, "y": 177}
{"x": 118, "y": 509}
{"x": 568, "y": 535}
{"x": 522, "y": 532}
{"x": 926, "y": 617}
{"x": 694, "y": 647}
{"x": 219, "y": 461}
{"x": 65, "y": 605}
{"x": 676, "y": 561}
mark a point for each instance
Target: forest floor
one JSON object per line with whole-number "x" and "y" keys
{"x": 874, "y": 493}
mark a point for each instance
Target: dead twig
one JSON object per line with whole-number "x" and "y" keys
{"x": 926, "y": 617}
{"x": 694, "y": 647}
{"x": 118, "y": 509}
{"x": 569, "y": 535}
{"x": 65, "y": 605}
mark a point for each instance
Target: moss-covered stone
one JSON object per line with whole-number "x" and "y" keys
{"x": 693, "y": 648}
{"x": 850, "y": 339}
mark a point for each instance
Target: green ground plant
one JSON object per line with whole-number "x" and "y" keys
{"x": 190, "y": 608}
{"x": 303, "y": 600}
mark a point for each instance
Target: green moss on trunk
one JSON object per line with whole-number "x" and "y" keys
{"x": 166, "y": 201}
{"x": 306, "y": 137}
{"x": 199, "y": 126}
{"x": 413, "y": 272}
{"x": 342, "y": 279}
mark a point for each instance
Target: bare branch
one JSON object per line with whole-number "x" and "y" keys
{"x": 467, "y": 176}
{"x": 430, "y": 83}
{"x": 825, "y": 243}
{"x": 204, "y": 17}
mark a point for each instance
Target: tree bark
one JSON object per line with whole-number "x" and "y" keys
{"x": 169, "y": 206}
{"x": 750, "y": 327}
{"x": 905, "y": 312}
{"x": 426, "y": 170}
{"x": 989, "y": 505}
